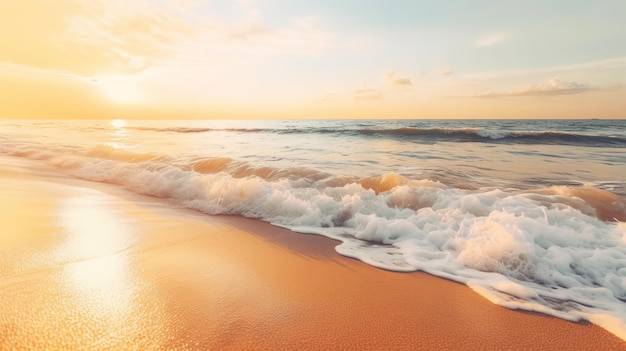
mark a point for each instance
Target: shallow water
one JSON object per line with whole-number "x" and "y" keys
{"x": 528, "y": 213}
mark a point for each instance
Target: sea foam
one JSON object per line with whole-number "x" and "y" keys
{"x": 559, "y": 250}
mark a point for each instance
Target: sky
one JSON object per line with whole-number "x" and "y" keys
{"x": 292, "y": 59}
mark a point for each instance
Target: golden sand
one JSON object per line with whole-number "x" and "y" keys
{"x": 87, "y": 266}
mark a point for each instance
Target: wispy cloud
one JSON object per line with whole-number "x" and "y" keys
{"x": 554, "y": 86}
{"x": 492, "y": 38}
{"x": 393, "y": 82}
{"x": 446, "y": 72}
{"x": 396, "y": 81}
{"x": 368, "y": 94}
{"x": 302, "y": 35}
{"x": 617, "y": 63}
{"x": 90, "y": 37}
{"x": 332, "y": 97}
{"x": 248, "y": 31}
{"x": 96, "y": 37}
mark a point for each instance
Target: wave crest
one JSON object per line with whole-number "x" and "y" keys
{"x": 494, "y": 136}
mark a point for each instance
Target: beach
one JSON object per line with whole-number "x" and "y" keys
{"x": 90, "y": 266}
{"x": 312, "y": 175}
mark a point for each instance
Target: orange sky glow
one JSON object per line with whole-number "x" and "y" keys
{"x": 268, "y": 59}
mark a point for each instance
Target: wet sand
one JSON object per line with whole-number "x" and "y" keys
{"x": 87, "y": 266}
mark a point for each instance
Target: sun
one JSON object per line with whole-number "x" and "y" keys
{"x": 118, "y": 123}
{"x": 120, "y": 89}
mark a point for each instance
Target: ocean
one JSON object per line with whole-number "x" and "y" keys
{"x": 531, "y": 214}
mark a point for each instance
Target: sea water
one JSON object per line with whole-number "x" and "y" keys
{"x": 530, "y": 214}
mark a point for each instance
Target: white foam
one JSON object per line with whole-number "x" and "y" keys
{"x": 493, "y": 134}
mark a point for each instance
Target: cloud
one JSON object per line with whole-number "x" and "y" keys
{"x": 367, "y": 94}
{"x": 331, "y": 97}
{"x": 222, "y": 43}
{"x": 90, "y": 37}
{"x": 396, "y": 81}
{"x": 99, "y": 37}
{"x": 554, "y": 86}
{"x": 489, "y": 39}
{"x": 302, "y": 35}
{"x": 248, "y": 31}
{"x": 446, "y": 72}
{"x": 615, "y": 65}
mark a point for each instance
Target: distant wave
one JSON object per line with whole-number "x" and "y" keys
{"x": 431, "y": 135}
{"x": 505, "y": 137}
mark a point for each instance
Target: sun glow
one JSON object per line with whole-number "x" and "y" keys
{"x": 120, "y": 89}
{"x": 118, "y": 123}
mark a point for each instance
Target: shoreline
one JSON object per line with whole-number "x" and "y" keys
{"x": 89, "y": 265}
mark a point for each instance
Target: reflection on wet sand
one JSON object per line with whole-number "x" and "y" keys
{"x": 100, "y": 280}
{"x": 74, "y": 286}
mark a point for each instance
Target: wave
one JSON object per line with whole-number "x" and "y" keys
{"x": 491, "y": 136}
{"x": 428, "y": 135}
{"x": 558, "y": 250}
